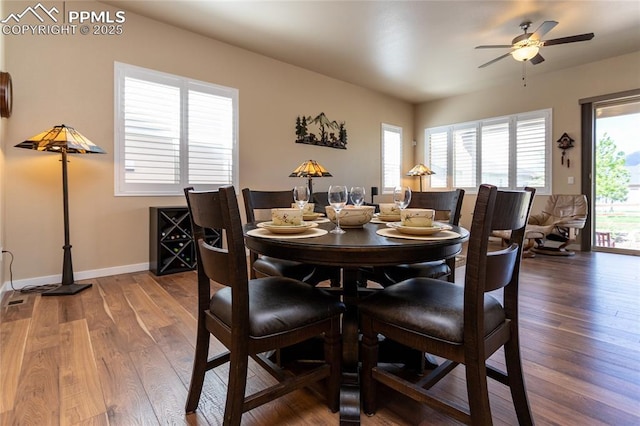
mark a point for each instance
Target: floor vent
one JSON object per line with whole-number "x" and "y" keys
{"x": 16, "y": 299}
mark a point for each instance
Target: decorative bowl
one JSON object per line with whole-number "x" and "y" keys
{"x": 351, "y": 216}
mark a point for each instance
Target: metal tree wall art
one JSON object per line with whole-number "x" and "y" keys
{"x": 332, "y": 133}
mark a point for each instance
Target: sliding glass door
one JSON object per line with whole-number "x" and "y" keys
{"x": 616, "y": 176}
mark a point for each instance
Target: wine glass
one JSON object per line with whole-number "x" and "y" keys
{"x": 402, "y": 196}
{"x": 301, "y": 195}
{"x": 337, "y": 197}
{"x": 357, "y": 195}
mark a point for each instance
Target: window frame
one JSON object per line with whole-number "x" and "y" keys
{"x": 512, "y": 121}
{"x": 184, "y": 84}
{"x": 384, "y": 166}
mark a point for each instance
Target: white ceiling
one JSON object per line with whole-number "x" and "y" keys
{"x": 414, "y": 50}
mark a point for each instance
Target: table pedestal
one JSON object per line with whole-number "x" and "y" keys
{"x": 350, "y": 386}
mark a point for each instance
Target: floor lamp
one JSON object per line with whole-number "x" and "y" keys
{"x": 65, "y": 140}
{"x": 310, "y": 169}
{"x": 420, "y": 170}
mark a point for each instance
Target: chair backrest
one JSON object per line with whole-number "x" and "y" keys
{"x": 487, "y": 271}
{"x": 321, "y": 200}
{"x": 447, "y": 204}
{"x": 219, "y": 210}
{"x": 263, "y": 200}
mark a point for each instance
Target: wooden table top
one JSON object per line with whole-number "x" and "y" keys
{"x": 357, "y": 247}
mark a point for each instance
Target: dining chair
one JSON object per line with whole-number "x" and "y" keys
{"x": 265, "y": 266}
{"x": 461, "y": 323}
{"x": 448, "y": 207}
{"x": 252, "y": 317}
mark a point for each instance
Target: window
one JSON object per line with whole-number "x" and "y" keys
{"x": 172, "y": 132}
{"x": 508, "y": 152}
{"x": 391, "y": 157}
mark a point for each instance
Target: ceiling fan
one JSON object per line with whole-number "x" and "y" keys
{"x": 525, "y": 47}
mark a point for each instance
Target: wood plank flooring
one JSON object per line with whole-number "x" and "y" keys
{"x": 120, "y": 353}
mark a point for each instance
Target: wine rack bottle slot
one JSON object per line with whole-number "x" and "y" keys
{"x": 171, "y": 245}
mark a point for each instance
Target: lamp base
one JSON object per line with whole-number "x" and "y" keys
{"x": 67, "y": 290}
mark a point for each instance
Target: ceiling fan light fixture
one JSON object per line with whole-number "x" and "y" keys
{"x": 525, "y": 53}
{"x": 526, "y": 46}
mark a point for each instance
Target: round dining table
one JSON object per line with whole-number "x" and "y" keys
{"x": 373, "y": 244}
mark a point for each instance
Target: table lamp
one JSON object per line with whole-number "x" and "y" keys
{"x": 310, "y": 169}
{"x": 65, "y": 140}
{"x": 420, "y": 170}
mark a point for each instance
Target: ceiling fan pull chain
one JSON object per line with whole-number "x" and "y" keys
{"x": 524, "y": 73}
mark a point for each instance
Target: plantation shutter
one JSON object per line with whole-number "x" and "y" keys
{"x": 465, "y": 146}
{"x": 495, "y": 154}
{"x": 391, "y": 157}
{"x": 210, "y": 139}
{"x": 173, "y": 132}
{"x": 531, "y": 150}
{"x": 151, "y": 132}
{"x": 437, "y": 158}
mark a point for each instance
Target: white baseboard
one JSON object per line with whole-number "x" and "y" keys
{"x": 78, "y": 276}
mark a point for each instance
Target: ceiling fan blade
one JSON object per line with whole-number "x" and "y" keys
{"x": 495, "y": 60}
{"x": 536, "y": 59}
{"x": 494, "y": 46}
{"x": 543, "y": 29}
{"x": 570, "y": 39}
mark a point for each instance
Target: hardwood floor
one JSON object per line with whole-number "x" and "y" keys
{"x": 120, "y": 354}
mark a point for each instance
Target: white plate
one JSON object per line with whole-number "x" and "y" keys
{"x": 418, "y": 230}
{"x": 388, "y": 218}
{"x": 286, "y": 229}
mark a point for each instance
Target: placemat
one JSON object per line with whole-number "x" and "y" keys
{"x": 321, "y": 220}
{"x": 443, "y": 235}
{"x": 310, "y": 233}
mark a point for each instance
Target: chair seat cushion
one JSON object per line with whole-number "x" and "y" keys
{"x": 274, "y": 267}
{"x": 537, "y": 231}
{"x": 431, "y": 307}
{"x": 278, "y": 304}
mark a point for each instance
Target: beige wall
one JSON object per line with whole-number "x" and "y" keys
{"x": 3, "y": 127}
{"x": 560, "y": 91}
{"x": 69, "y": 80}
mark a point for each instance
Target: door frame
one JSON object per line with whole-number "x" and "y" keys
{"x": 588, "y": 144}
